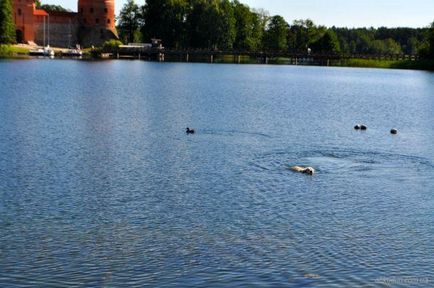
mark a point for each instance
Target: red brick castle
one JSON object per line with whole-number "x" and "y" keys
{"x": 93, "y": 24}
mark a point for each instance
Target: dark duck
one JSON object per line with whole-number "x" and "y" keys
{"x": 189, "y": 131}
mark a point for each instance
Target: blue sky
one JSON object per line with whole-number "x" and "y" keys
{"x": 350, "y": 13}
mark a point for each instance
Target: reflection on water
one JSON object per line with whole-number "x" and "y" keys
{"x": 100, "y": 186}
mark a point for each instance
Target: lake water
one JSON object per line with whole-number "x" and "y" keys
{"x": 101, "y": 187}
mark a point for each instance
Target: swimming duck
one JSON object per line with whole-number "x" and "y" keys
{"x": 360, "y": 127}
{"x": 189, "y": 131}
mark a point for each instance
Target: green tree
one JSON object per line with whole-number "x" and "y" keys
{"x": 377, "y": 47}
{"x": 413, "y": 45}
{"x": 201, "y": 30}
{"x": 129, "y": 22}
{"x": 165, "y": 19}
{"x": 302, "y": 34}
{"x": 244, "y": 27}
{"x": 111, "y": 44}
{"x": 387, "y": 46}
{"x": 225, "y": 25}
{"x": 363, "y": 40}
{"x": 431, "y": 41}
{"x": 328, "y": 43}
{"x": 392, "y": 46}
{"x": 260, "y": 21}
{"x": 7, "y": 25}
{"x": 211, "y": 24}
{"x": 276, "y": 33}
{"x": 53, "y": 8}
{"x": 250, "y": 26}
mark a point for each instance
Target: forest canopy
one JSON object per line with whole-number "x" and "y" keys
{"x": 225, "y": 24}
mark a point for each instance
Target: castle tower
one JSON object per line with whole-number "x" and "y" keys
{"x": 98, "y": 20}
{"x": 23, "y": 14}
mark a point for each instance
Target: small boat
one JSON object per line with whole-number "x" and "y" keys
{"x": 72, "y": 53}
{"x": 45, "y": 52}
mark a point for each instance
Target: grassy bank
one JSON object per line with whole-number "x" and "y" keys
{"x": 12, "y": 51}
{"x": 416, "y": 65}
{"x": 368, "y": 63}
{"x": 393, "y": 64}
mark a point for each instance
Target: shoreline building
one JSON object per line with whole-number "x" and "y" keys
{"x": 92, "y": 24}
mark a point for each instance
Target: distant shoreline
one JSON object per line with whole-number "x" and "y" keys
{"x": 22, "y": 52}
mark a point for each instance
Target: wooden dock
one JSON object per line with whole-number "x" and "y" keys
{"x": 264, "y": 57}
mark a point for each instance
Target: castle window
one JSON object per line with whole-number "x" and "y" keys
{"x": 105, "y": 10}
{"x": 91, "y": 10}
{"x": 19, "y": 12}
{"x": 81, "y": 10}
{"x": 108, "y": 21}
{"x": 97, "y": 20}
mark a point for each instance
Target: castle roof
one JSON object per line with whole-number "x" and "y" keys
{"x": 40, "y": 12}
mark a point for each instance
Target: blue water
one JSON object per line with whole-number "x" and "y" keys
{"x": 101, "y": 187}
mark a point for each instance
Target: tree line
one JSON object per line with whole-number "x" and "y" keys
{"x": 225, "y": 24}
{"x": 7, "y": 25}
{"x": 230, "y": 24}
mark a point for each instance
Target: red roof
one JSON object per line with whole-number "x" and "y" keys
{"x": 40, "y": 12}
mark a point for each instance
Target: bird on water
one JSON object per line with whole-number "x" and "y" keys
{"x": 360, "y": 127}
{"x": 189, "y": 131}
